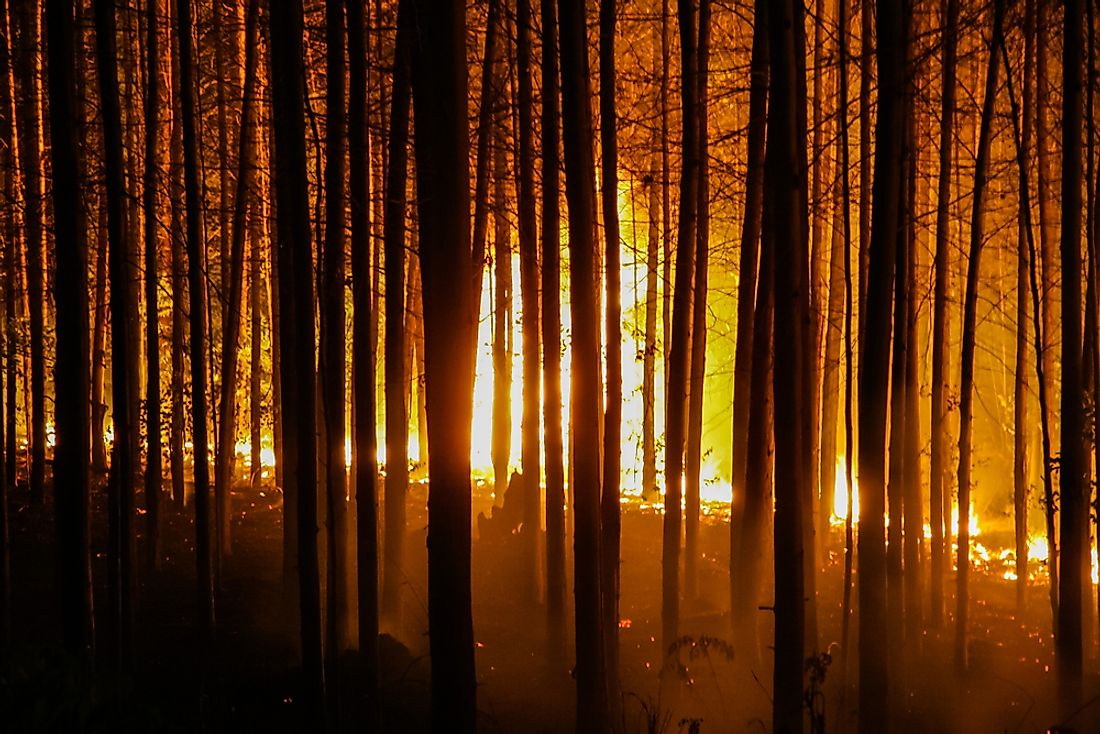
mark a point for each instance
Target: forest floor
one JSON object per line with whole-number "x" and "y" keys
{"x": 250, "y": 680}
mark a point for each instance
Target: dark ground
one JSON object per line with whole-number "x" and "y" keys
{"x": 251, "y": 684}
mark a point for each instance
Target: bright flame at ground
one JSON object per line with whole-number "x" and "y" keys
{"x": 840, "y": 494}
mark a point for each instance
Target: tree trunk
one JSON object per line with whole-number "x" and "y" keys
{"x": 297, "y": 329}
{"x": 676, "y": 390}
{"x": 231, "y": 316}
{"x": 592, "y": 703}
{"x": 875, "y": 366}
{"x": 744, "y": 394}
{"x": 551, "y": 335}
{"x": 397, "y": 421}
{"x": 10, "y": 229}
{"x": 787, "y": 177}
{"x": 938, "y": 484}
{"x": 450, "y": 317}
{"x": 610, "y": 519}
{"x": 152, "y": 310}
{"x": 487, "y": 105}
{"x": 364, "y": 435}
{"x": 179, "y": 295}
{"x": 332, "y": 353}
{"x": 121, "y": 485}
{"x": 1072, "y": 493}
{"x": 28, "y": 43}
{"x": 697, "y": 360}
{"x": 71, "y": 488}
{"x": 970, "y": 312}
{"x": 501, "y": 439}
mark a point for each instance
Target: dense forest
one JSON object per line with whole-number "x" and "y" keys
{"x": 619, "y": 366}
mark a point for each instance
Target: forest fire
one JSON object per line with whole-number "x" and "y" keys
{"x": 502, "y": 365}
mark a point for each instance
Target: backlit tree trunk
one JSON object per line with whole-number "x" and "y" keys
{"x": 442, "y": 175}
{"x": 71, "y": 377}
{"x": 592, "y": 703}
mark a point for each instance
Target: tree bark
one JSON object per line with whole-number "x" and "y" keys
{"x": 442, "y": 175}
{"x": 25, "y": 63}
{"x": 970, "y": 311}
{"x": 592, "y": 700}
{"x": 676, "y": 390}
{"x": 397, "y": 421}
{"x": 1072, "y": 493}
{"x": 875, "y": 364}
{"x": 297, "y": 329}
{"x": 610, "y": 519}
{"x": 71, "y": 480}
{"x": 197, "y": 294}
{"x": 551, "y": 334}
{"x": 787, "y": 181}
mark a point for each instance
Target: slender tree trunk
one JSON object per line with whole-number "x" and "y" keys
{"x": 297, "y": 329}
{"x": 10, "y": 231}
{"x": 71, "y": 368}
{"x": 397, "y": 421}
{"x": 28, "y": 43}
{"x": 501, "y": 439}
{"x": 257, "y": 236}
{"x": 442, "y": 175}
{"x": 830, "y": 379}
{"x": 610, "y": 519}
{"x": 529, "y": 284}
{"x": 363, "y": 368}
{"x": 592, "y": 700}
{"x": 231, "y": 316}
{"x": 1072, "y": 493}
{"x": 697, "y": 360}
{"x": 875, "y": 364}
{"x": 744, "y": 394}
{"x": 1048, "y": 224}
{"x": 866, "y": 194}
{"x": 333, "y": 353}
{"x": 152, "y": 310}
{"x": 938, "y": 482}
{"x": 198, "y": 327}
{"x": 13, "y": 237}
{"x": 121, "y": 491}
{"x": 179, "y": 294}
{"x": 676, "y": 391}
{"x": 488, "y": 104}
{"x": 970, "y": 312}
{"x": 551, "y": 335}
{"x": 666, "y": 191}
{"x": 789, "y": 222}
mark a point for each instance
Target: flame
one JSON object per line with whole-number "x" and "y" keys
{"x": 840, "y": 495}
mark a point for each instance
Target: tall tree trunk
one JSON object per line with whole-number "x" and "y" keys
{"x": 592, "y": 700}
{"x": 152, "y": 310}
{"x": 787, "y": 179}
{"x": 551, "y": 334}
{"x": 487, "y": 105}
{"x": 676, "y": 390}
{"x": 938, "y": 481}
{"x": 123, "y": 461}
{"x": 333, "y": 353}
{"x": 970, "y": 313}
{"x": 71, "y": 368}
{"x": 697, "y": 360}
{"x": 28, "y": 43}
{"x": 1047, "y": 200}
{"x": 529, "y": 284}
{"x": 610, "y": 519}
{"x": 10, "y": 232}
{"x": 196, "y": 283}
{"x": 744, "y": 394}
{"x": 1072, "y": 493}
{"x": 442, "y": 175}
{"x": 397, "y": 421}
{"x": 13, "y": 235}
{"x": 179, "y": 292}
{"x": 501, "y": 439}
{"x": 875, "y": 365}
{"x": 364, "y": 435}
{"x": 297, "y": 330}
{"x": 866, "y": 195}
{"x": 231, "y": 315}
